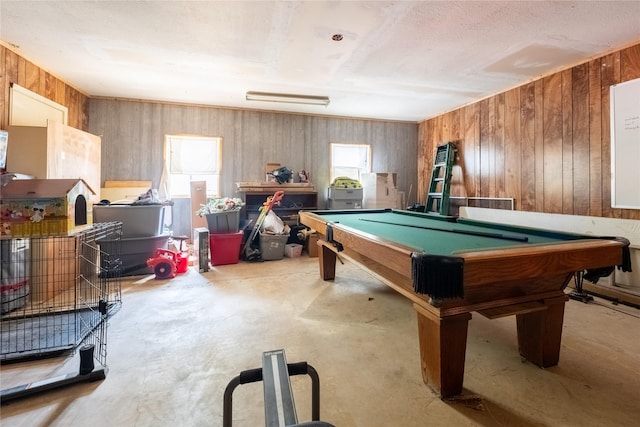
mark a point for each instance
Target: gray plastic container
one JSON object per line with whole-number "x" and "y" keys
{"x": 272, "y": 246}
{"x": 132, "y": 253}
{"x": 137, "y": 221}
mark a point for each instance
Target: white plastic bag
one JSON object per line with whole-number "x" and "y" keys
{"x": 273, "y": 224}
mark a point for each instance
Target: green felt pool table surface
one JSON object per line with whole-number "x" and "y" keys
{"x": 442, "y": 235}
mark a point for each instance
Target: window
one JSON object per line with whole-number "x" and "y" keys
{"x": 192, "y": 158}
{"x": 350, "y": 160}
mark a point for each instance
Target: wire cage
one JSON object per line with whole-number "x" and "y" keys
{"x": 57, "y": 293}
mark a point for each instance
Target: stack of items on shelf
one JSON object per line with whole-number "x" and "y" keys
{"x": 345, "y": 193}
{"x": 142, "y": 230}
{"x": 380, "y": 191}
{"x": 223, "y": 222}
{"x": 275, "y": 173}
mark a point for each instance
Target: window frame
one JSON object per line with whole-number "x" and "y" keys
{"x": 361, "y": 170}
{"x": 194, "y": 176}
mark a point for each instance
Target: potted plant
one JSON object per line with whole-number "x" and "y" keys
{"x": 222, "y": 214}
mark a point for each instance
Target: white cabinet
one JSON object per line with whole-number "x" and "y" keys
{"x": 344, "y": 198}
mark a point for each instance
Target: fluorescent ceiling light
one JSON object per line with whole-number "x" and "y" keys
{"x": 288, "y": 98}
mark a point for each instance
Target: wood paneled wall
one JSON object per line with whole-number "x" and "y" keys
{"x": 133, "y": 138}
{"x": 16, "y": 69}
{"x": 546, "y": 143}
{"x": 133, "y": 133}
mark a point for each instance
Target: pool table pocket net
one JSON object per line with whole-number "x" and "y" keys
{"x": 437, "y": 276}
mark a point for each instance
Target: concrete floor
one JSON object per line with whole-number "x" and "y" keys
{"x": 174, "y": 346}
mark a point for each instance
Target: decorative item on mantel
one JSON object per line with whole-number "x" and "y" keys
{"x": 282, "y": 175}
{"x": 222, "y": 214}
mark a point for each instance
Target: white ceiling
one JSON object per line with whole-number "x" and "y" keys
{"x": 398, "y": 60}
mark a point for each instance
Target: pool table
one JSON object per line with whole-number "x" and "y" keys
{"x": 450, "y": 267}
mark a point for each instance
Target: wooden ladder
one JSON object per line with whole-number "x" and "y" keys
{"x": 440, "y": 185}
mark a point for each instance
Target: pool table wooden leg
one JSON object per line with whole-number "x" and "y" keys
{"x": 540, "y": 333}
{"x": 443, "y": 344}
{"x": 327, "y": 262}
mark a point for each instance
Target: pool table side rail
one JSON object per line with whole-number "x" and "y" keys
{"x": 527, "y": 270}
{"x": 477, "y": 299}
{"x": 526, "y": 261}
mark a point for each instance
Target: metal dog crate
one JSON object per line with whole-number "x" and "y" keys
{"x": 57, "y": 293}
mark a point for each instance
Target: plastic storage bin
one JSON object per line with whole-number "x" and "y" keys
{"x": 272, "y": 246}
{"x": 292, "y": 250}
{"x": 225, "y": 248}
{"x": 133, "y": 253}
{"x": 137, "y": 220}
{"x": 223, "y": 222}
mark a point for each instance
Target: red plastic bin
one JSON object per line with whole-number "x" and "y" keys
{"x": 225, "y": 248}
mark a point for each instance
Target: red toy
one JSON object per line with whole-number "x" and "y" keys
{"x": 166, "y": 263}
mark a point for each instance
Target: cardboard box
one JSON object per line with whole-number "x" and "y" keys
{"x": 198, "y": 199}
{"x": 270, "y": 167}
{"x": 380, "y": 191}
{"x": 124, "y": 190}
{"x": 312, "y": 245}
{"x": 379, "y": 181}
